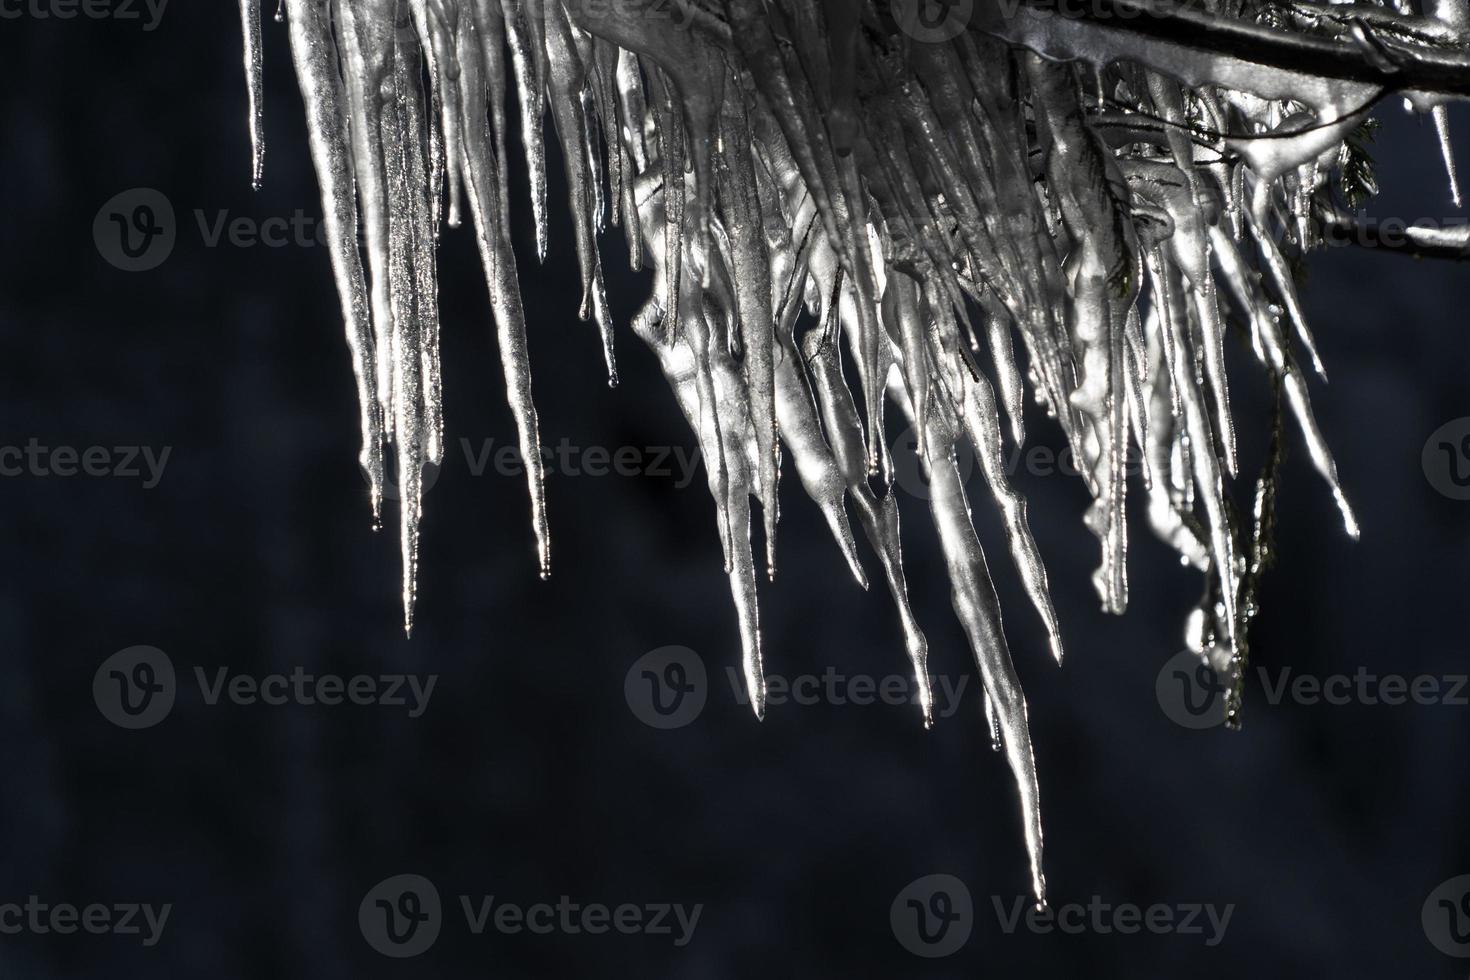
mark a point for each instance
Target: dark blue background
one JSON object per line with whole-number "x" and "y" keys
{"x": 529, "y": 778}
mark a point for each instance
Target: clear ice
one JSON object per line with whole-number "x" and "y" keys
{"x": 842, "y": 220}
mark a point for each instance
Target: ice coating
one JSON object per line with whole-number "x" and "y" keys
{"x": 840, "y": 218}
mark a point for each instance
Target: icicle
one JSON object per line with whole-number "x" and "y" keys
{"x": 1164, "y": 435}
{"x": 978, "y": 610}
{"x": 1189, "y": 246}
{"x": 1456, "y": 15}
{"x": 406, "y": 342}
{"x": 484, "y": 171}
{"x": 879, "y": 519}
{"x": 566, "y": 76}
{"x": 903, "y": 315}
{"x": 366, "y": 36}
{"x": 982, "y": 423}
{"x": 1447, "y": 150}
{"x": 710, "y": 396}
{"x": 255, "y": 85}
{"x": 314, "y": 55}
{"x": 437, "y": 23}
{"x": 750, "y": 269}
{"x": 1274, "y": 354}
{"x": 489, "y": 19}
{"x": 529, "y": 94}
{"x": 419, "y": 225}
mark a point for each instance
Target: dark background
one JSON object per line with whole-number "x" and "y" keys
{"x": 528, "y": 777}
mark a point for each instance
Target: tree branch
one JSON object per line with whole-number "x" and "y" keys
{"x": 1375, "y": 59}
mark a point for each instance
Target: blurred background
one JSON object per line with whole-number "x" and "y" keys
{"x": 530, "y": 775}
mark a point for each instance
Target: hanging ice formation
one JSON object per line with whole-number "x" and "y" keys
{"x": 1047, "y": 203}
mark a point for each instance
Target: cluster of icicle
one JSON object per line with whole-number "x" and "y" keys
{"x": 1039, "y": 204}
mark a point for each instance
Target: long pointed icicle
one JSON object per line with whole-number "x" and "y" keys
{"x": 484, "y": 171}
{"x": 1456, "y": 14}
{"x": 314, "y": 54}
{"x": 978, "y": 609}
{"x": 366, "y": 39}
{"x": 567, "y": 78}
{"x": 407, "y": 337}
{"x": 255, "y": 87}
{"x": 1441, "y": 117}
{"x": 750, "y": 270}
{"x": 531, "y": 99}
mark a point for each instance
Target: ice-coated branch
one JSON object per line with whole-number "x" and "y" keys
{"x": 846, "y": 218}
{"x": 1372, "y": 45}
